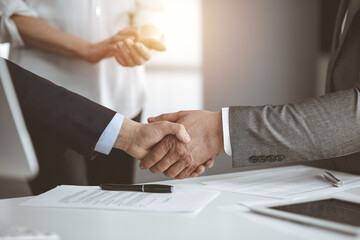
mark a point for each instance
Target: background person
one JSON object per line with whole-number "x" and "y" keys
{"x": 62, "y": 41}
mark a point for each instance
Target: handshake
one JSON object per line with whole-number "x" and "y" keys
{"x": 178, "y": 144}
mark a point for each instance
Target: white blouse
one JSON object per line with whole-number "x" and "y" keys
{"x": 122, "y": 89}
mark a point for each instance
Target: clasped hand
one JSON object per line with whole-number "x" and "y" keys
{"x": 132, "y": 46}
{"x": 178, "y": 144}
{"x": 180, "y": 160}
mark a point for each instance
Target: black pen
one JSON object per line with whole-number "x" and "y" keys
{"x": 332, "y": 179}
{"x": 151, "y": 188}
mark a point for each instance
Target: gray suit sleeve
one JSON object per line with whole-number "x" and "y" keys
{"x": 318, "y": 128}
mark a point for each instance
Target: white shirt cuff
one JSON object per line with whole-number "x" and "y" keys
{"x": 226, "y": 131}
{"x": 108, "y": 137}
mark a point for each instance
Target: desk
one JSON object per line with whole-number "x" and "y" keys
{"x": 210, "y": 223}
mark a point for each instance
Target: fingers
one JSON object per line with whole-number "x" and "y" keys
{"x": 171, "y": 117}
{"x": 125, "y": 55}
{"x": 200, "y": 169}
{"x": 130, "y": 31}
{"x": 118, "y": 38}
{"x": 166, "y": 128}
{"x": 175, "y": 169}
{"x": 143, "y": 51}
{"x": 133, "y": 53}
{"x": 193, "y": 174}
{"x": 183, "y": 166}
{"x": 153, "y": 44}
{"x": 185, "y": 173}
{"x": 168, "y": 160}
{"x": 130, "y": 54}
{"x": 169, "y": 156}
{"x": 157, "y": 153}
{"x": 119, "y": 58}
{"x": 209, "y": 163}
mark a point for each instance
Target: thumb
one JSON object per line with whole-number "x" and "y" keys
{"x": 154, "y": 44}
{"x": 171, "y": 117}
{"x": 179, "y": 130}
{"x": 131, "y": 31}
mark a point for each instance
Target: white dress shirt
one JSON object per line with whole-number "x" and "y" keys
{"x": 122, "y": 89}
{"x": 108, "y": 137}
{"x": 226, "y": 131}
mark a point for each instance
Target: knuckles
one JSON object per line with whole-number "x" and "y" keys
{"x": 155, "y": 169}
{"x": 178, "y": 162}
{"x": 169, "y": 142}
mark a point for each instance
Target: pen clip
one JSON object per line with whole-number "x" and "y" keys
{"x": 332, "y": 179}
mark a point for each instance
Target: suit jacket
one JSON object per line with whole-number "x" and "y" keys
{"x": 326, "y": 127}
{"x": 49, "y": 109}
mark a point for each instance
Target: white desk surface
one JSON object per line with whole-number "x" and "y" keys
{"x": 89, "y": 224}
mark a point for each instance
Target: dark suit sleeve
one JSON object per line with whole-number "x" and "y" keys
{"x": 55, "y": 111}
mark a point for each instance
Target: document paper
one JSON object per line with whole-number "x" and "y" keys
{"x": 284, "y": 182}
{"x": 93, "y": 197}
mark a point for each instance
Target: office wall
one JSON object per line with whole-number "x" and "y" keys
{"x": 257, "y": 52}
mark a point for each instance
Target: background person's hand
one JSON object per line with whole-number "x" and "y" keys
{"x": 152, "y": 38}
{"x": 137, "y": 48}
{"x": 137, "y": 139}
{"x": 95, "y": 52}
{"x": 130, "y": 53}
{"x": 131, "y": 46}
{"x": 205, "y": 130}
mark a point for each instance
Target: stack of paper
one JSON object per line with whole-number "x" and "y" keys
{"x": 284, "y": 182}
{"x": 93, "y": 197}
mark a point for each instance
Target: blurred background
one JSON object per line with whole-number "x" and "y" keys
{"x": 237, "y": 52}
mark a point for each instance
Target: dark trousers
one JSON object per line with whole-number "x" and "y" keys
{"x": 60, "y": 165}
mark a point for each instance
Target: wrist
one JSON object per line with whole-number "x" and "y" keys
{"x": 84, "y": 52}
{"x": 216, "y": 133}
{"x": 219, "y": 132}
{"x": 126, "y": 135}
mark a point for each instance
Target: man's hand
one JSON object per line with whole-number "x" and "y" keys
{"x": 205, "y": 130}
{"x": 176, "y": 159}
{"x": 137, "y": 139}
